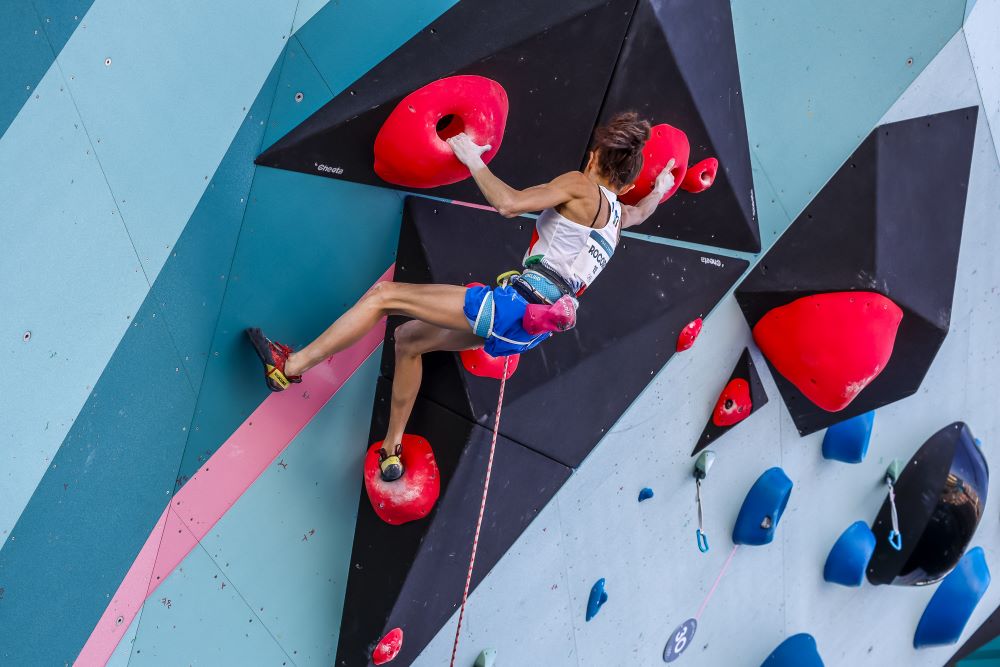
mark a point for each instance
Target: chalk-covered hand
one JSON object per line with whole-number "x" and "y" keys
{"x": 665, "y": 179}
{"x": 467, "y": 151}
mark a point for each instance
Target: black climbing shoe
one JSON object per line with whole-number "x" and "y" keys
{"x": 273, "y": 356}
{"x": 391, "y": 465}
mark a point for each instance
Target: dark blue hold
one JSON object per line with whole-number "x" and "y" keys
{"x": 645, "y": 494}
{"x": 953, "y": 602}
{"x": 849, "y": 556}
{"x": 848, "y": 440}
{"x": 762, "y": 508}
{"x": 597, "y": 599}
{"x": 796, "y": 651}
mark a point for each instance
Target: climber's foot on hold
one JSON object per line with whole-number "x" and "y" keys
{"x": 391, "y": 465}
{"x": 274, "y": 356}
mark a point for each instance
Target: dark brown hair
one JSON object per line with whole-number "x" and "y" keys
{"x": 619, "y": 147}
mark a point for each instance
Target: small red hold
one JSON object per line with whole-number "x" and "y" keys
{"x": 481, "y": 364}
{"x": 830, "y": 346}
{"x": 388, "y": 647}
{"x": 411, "y": 148}
{"x": 734, "y": 403}
{"x": 699, "y": 177}
{"x": 665, "y": 142}
{"x": 413, "y": 495}
{"x": 689, "y": 334}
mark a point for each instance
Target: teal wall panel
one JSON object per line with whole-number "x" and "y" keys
{"x": 27, "y": 57}
{"x": 60, "y": 18}
{"x": 100, "y": 497}
{"x": 817, "y": 76}
{"x": 181, "y": 79}
{"x": 299, "y": 518}
{"x": 298, "y": 75}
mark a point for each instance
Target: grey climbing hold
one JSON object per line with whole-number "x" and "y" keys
{"x": 486, "y": 658}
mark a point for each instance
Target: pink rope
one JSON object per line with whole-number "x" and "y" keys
{"x": 482, "y": 511}
{"x": 718, "y": 579}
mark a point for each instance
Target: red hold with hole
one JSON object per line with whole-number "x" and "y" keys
{"x": 700, "y": 176}
{"x": 388, "y": 647}
{"x": 665, "y": 142}
{"x": 410, "y": 148}
{"x": 413, "y": 495}
{"x": 688, "y": 335}
{"x": 830, "y": 346}
{"x": 481, "y": 364}
{"x": 734, "y": 403}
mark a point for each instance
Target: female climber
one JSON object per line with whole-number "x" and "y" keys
{"x": 575, "y": 236}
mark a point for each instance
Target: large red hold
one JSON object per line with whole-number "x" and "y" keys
{"x": 388, "y": 647}
{"x": 699, "y": 177}
{"x": 411, "y": 148}
{"x": 830, "y": 346}
{"x": 665, "y": 142}
{"x": 413, "y": 495}
{"x": 734, "y": 404}
{"x": 480, "y": 363}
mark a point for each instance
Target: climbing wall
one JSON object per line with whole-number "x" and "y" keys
{"x": 159, "y": 507}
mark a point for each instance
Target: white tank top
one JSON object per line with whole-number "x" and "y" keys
{"x": 576, "y": 252}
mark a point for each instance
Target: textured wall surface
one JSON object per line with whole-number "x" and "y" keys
{"x": 140, "y": 239}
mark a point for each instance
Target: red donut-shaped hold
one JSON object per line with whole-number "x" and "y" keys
{"x": 413, "y": 495}
{"x": 665, "y": 142}
{"x": 410, "y": 149}
{"x": 699, "y": 177}
{"x": 388, "y": 647}
{"x": 734, "y": 403}
{"x": 689, "y": 334}
{"x": 481, "y": 364}
{"x": 830, "y": 346}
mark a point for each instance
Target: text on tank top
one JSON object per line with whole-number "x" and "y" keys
{"x": 576, "y": 252}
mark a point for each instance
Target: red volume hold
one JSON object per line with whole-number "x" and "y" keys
{"x": 665, "y": 142}
{"x": 388, "y": 647}
{"x": 481, "y": 364}
{"x": 689, "y": 334}
{"x": 413, "y": 495}
{"x": 830, "y": 346}
{"x": 410, "y": 148}
{"x": 734, "y": 403}
{"x": 699, "y": 177}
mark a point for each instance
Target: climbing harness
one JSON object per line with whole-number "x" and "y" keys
{"x": 482, "y": 511}
{"x": 701, "y": 467}
{"x": 891, "y": 477}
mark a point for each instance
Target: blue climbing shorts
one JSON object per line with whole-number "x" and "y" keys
{"x": 496, "y": 314}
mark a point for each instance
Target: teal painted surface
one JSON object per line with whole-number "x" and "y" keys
{"x": 987, "y": 656}
{"x": 98, "y": 501}
{"x": 298, "y": 75}
{"x": 341, "y": 47}
{"x": 817, "y": 77}
{"x": 193, "y": 281}
{"x": 163, "y": 113}
{"x": 61, "y": 18}
{"x": 28, "y": 56}
{"x": 200, "y": 617}
{"x": 310, "y": 247}
{"x": 68, "y": 275}
{"x": 298, "y": 518}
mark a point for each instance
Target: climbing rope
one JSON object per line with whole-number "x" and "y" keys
{"x": 482, "y": 511}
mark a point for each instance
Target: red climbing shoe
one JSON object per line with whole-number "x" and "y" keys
{"x": 390, "y": 465}
{"x": 541, "y": 318}
{"x": 273, "y": 356}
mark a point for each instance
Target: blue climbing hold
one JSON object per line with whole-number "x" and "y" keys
{"x": 645, "y": 494}
{"x": 762, "y": 508}
{"x": 796, "y": 651}
{"x": 849, "y": 556}
{"x": 847, "y": 441}
{"x": 953, "y": 602}
{"x": 597, "y": 599}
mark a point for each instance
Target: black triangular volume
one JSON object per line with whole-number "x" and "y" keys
{"x": 679, "y": 66}
{"x": 884, "y": 223}
{"x": 553, "y": 58}
{"x": 411, "y": 576}
{"x": 746, "y": 370}
{"x": 626, "y": 331}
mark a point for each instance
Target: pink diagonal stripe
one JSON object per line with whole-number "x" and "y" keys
{"x": 217, "y": 485}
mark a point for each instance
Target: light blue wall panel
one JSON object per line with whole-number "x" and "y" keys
{"x": 27, "y": 57}
{"x": 68, "y": 275}
{"x": 981, "y": 30}
{"x": 162, "y": 114}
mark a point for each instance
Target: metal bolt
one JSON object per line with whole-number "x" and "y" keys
{"x": 107, "y": 62}
{"x": 26, "y": 337}
{"x": 299, "y": 97}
